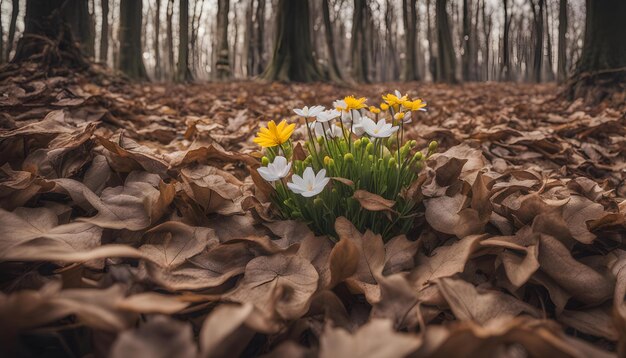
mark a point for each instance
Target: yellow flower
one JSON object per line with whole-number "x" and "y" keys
{"x": 399, "y": 116}
{"x": 374, "y": 109}
{"x": 414, "y": 105}
{"x": 274, "y": 134}
{"x": 354, "y": 103}
{"x": 394, "y": 100}
{"x": 384, "y": 106}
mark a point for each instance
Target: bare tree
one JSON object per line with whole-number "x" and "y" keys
{"x": 505, "y": 66}
{"x": 601, "y": 69}
{"x": 1, "y": 38}
{"x": 409, "y": 15}
{"x": 221, "y": 69}
{"x": 104, "y": 32}
{"x": 333, "y": 67}
{"x": 562, "y": 49}
{"x": 538, "y": 11}
{"x": 170, "y": 37}
{"x": 183, "y": 73}
{"x": 358, "y": 46}
{"x": 130, "y": 59}
{"x": 446, "y": 59}
{"x": 156, "y": 44}
{"x": 292, "y": 58}
{"x": 15, "y": 10}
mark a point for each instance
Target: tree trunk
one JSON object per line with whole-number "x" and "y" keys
{"x": 130, "y": 59}
{"x": 549, "y": 70}
{"x": 170, "y": 38}
{"x": 157, "y": 43}
{"x": 432, "y": 63}
{"x": 465, "y": 39}
{"x": 392, "y": 55}
{"x": 538, "y": 47}
{"x": 601, "y": 69}
{"x": 409, "y": 15}
{"x": 12, "y": 26}
{"x": 358, "y": 48}
{"x": 505, "y": 67}
{"x": 1, "y": 38}
{"x": 487, "y": 26}
{"x": 221, "y": 67}
{"x": 333, "y": 68}
{"x": 446, "y": 60}
{"x": 183, "y": 73}
{"x": 260, "y": 36}
{"x": 292, "y": 58}
{"x": 104, "y": 32}
{"x": 562, "y": 50}
{"x": 47, "y": 35}
{"x": 76, "y": 14}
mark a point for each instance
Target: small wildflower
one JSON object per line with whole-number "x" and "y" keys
{"x": 307, "y": 112}
{"x": 416, "y": 105}
{"x": 274, "y": 135}
{"x": 276, "y": 170}
{"x": 309, "y": 184}
{"x": 381, "y": 129}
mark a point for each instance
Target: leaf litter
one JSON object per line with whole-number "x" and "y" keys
{"x": 130, "y": 212}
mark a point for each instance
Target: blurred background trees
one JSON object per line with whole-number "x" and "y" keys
{"x": 340, "y": 40}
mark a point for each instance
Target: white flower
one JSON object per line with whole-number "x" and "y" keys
{"x": 309, "y": 184}
{"x": 317, "y": 128}
{"x": 328, "y": 115}
{"x": 357, "y": 124}
{"x": 397, "y": 93}
{"x": 307, "y": 112}
{"x": 276, "y": 170}
{"x": 378, "y": 130}
{"x": 334, "y": 131}
{"x": 406, "y": 117}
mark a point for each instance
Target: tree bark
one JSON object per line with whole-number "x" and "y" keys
{"x": 409, "y": 15}
{"x": 292, "y": 58}
{"x": 15, "y": 10}
{"x": 104, "y": 32}
{"x": 221, "y": 67}
{"x": 537, "y": 9}
{"x": 260, "y": 36}
{"x": 601, "y": 68}
{"x": 446, "y": 60}
{"x": 487, "y": 26}
{"x": 391, "y": 55}
{"x": 130, "y": 60}
{"x": 76, "y": 14}
{"x": 466, "y": 56}
{"x": 505, "y": 67}
{"x": 358, "y": 47}
{"x": 157, "y": 43}
{"x": 432, "y": 63}
{"x": 183, "y": 73}
{"x": 333, "y": 68}
{"x": 562, "y": 49}
{"x": 1, "y": 38}
{"x": 170, "y": 38}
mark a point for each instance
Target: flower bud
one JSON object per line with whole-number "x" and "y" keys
{"x": 384, "y": 106}
{"x": 392, "y": 163}
{"x": 433, "y": 146}
{"x": 365, "y": 140}
{"x": 326, "y": 160}
{"x": 374, "y": 110}
{"x": 370, "y": 158}
{"x": 404, "y": 151}
{"x": 318, "y": 202}
{"x": 331, "y": 163}
{"x": 399, "y": 116}
{"x": 348, "y": 158}
{"x": 265, "y": 161}
{"x": 418, "y": 156}
{"x": 413, "y": 143}
{"x": 370, "y": 147}
{"x": 357, "y": 144}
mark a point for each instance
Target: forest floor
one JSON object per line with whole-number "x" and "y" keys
{"x": 130, "y": 223}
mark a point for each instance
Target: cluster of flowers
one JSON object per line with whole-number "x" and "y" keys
{"x": 360, "y": 147}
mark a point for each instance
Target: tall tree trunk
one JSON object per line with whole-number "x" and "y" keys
{"x": 76, "y": 14}
{"x": 392, "y": 55}
{"x": 182, "y": 67}
{"x": 130, "y": 56}
{"x": 2, "y": 58}
{"x": 549, "y": 70}
{"x": 601, "y": 68}
{"x": 104, "y": 32}
{"x": 409, "y": 15}
{"x": 15, "y": 10}
{"x": 446, "y": 60}
{"x": 432, "y": 63}
{"x": 465, "y": 39}
{"x": 157, "y": 43}
{"x": 537, "y": 9}
{"x": 333, "y": 68}
{"x": 170, "y": 38}
{"x": 260, "y": 36}
{"x": 505, "y": 67}
{"x": 292, "y": 58}
{"x": 221, "y": 67}
{"x": 358, "y": 47}
{"x": 487, "y": 26}
{"x": 249, "y": 39}
{"x": 562, "y": 60}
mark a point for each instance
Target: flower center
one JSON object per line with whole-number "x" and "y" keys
{"x": 309, "y": 187}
